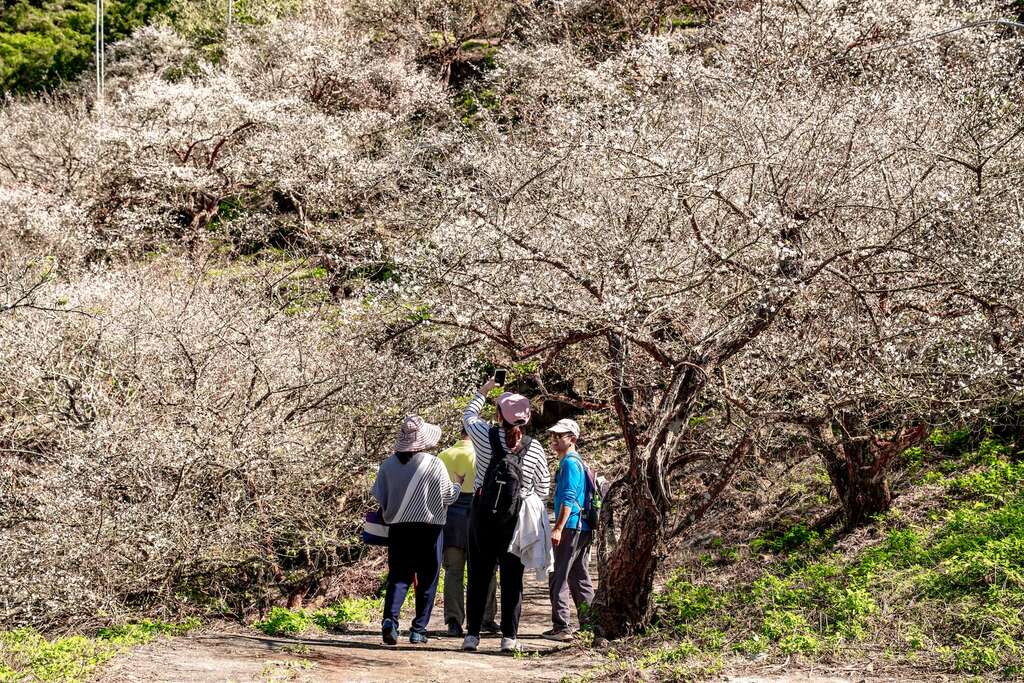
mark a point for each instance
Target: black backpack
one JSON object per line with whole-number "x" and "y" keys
{"x": 592, "y": 500}
{"x": 498, "y": 497}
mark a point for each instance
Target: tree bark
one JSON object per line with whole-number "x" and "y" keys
{"x": 623, "y": 601}
{"x": 861, "y": 494}
{"x": 857, "y": 461}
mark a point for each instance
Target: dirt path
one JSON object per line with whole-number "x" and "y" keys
{"x": 241, "y": 656}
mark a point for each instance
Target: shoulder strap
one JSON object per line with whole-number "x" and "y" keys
{"x": 583, "y": 465}
{"x": 497, "y": 450}
{"x": 589, "y": 477}
{"x": 421, "y": 469}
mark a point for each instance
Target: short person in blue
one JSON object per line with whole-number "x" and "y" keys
{"x": 571, "y": 537}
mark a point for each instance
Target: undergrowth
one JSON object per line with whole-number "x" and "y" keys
{"x": 337, "y": 617}
{"x": 27, "y": 655}
{"x": 281, "y": 621}
{"x": 947, "y": 588}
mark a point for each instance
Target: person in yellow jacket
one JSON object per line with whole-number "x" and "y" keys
{"x": 460, "y": 460}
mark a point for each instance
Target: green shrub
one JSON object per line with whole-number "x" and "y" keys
{"x": 951, "y": 442}
{"x": 999, "y": 480}
{"x": 975, "y": 656}
{"x": 790, "y": 631}
{"x": 681, "y": 602}
{"x": 901, "y": 548}
{"x": 25, "y": 654}
{"x": 348, "y": 611}
{"x": 798, "y": 538}
{"x": 281, "y": 621}
{"x": 669, "y": 655}
{"x": 849, "y": 609}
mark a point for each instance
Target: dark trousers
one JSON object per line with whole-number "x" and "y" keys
{"x": 414, "y": 550}
{"x": 571, "y": 576}
{"x": 488, "y": 548}
{"x": 454, "y": 561}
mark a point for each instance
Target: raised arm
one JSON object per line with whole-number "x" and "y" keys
{"x": 471, "y": 419}
{"x": 478, "y": 429}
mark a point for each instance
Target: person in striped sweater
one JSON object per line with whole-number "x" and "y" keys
{"x": 490, "y": 528}
{"x": 414, "y": 492}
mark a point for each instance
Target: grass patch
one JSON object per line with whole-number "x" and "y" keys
{"x": 283, "y": 621}
{"x": 949, "y": 589}
{"x": 27, "y": 655}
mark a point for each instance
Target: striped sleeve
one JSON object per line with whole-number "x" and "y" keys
{"x": 478, "y": 430}
{"x": 537, "y": 465}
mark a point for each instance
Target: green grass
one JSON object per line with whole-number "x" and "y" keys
{"x": 27, "y": 655}
{"x": 950, "y": 588}
{"x": 282, "y": 621}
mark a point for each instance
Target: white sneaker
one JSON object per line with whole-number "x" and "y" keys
{"x": 471, "y": 643}
{"x": 509, "y": 645}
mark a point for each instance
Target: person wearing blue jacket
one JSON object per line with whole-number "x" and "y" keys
{"x": 570, "y": 536}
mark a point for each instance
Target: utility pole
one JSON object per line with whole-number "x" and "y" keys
{"x": 231, "y": 13}
{"x": 100, "y": 52}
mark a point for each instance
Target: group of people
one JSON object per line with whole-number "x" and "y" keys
{"x": 483, "y": 502}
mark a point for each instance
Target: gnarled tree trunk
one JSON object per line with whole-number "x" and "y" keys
{"x": 862, "y": 493}
{"x": 623, "y": 601}
{"x": 857, "y": 461}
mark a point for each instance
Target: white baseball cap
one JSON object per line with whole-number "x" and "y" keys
{"x": 566, "y": 426}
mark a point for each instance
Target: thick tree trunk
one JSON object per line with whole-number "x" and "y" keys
{"x": 862, "y": 494}
{"x": 623, "y": 602}
{"x": 858, "y": 461}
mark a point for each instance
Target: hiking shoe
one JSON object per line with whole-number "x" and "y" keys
{"x": 454, "y": 629}
{"x": 490, "y": 627}
{"x": 416, "y": 637}
{"x": 471, "y": 643}
{"x": 389, "y": 631}
{"x": 509, "y": 645}
{"x": 562, "y": 635}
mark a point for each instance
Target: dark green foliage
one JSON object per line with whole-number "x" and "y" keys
{"x": 44, "y": 43}
{"x": 796, "y": 537}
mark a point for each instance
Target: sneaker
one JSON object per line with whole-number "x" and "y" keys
{"x": 454, "y": 629}
{"x": 389, "y": 631}
{"x": 509, "y": 645}
{"x": 490, "y": 627}
{"x": 562, "y": 635}
{"x": 471, "y": 643}
{"x": 416, "y": 637}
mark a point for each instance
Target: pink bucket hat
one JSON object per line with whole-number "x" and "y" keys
{"x": 416, "y": 434}
{"x": 514, "y": 408}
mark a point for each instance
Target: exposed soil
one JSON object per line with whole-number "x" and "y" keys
{"x": 232, "y": 653}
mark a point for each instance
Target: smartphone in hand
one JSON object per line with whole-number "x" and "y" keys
{"x": 500, "y": 375}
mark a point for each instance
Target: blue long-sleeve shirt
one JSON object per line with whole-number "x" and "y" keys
{"x": 570, "y": 489}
